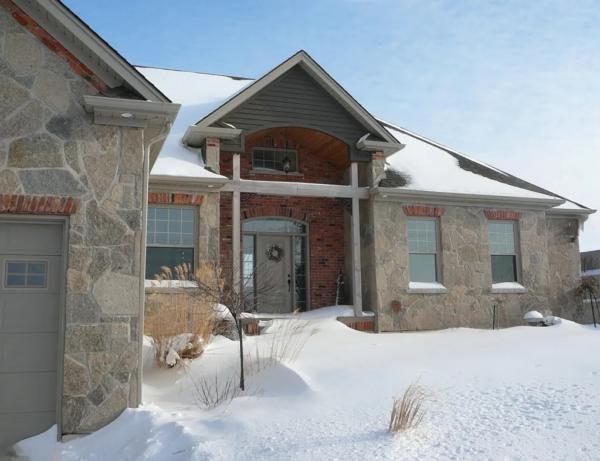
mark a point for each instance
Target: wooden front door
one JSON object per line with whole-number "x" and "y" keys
{"x": 275, "y": 284}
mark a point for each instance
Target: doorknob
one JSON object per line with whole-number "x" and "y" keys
{"x": 289, "y": 282}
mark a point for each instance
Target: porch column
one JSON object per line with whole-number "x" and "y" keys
{"x": 356, "y": 264}
{"x": 236, "y": 234}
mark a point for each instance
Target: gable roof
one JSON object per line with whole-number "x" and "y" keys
{"x": 315, "y": 71}
{"x": 425, "y": 165}
{"x": 409, "y": 169}
{"x": 93, "y": 51}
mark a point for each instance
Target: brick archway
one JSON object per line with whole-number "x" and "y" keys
{"x": 284, "y": 212}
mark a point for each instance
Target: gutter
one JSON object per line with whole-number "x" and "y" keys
{"x": 388, "y": 148}
{"x": 142, "y": 289}
{"x": 459, "y": 199}
{"x": 198, "y": 134}
{"x": 159, "y": 183}
{"x": 566, "y": 213}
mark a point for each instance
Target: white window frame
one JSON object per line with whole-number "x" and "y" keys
{"x": 437, "y": 254}
{"x": 516, "y": 254}
{"x": 194, "y": 245}
{"x": 256, "y": 169}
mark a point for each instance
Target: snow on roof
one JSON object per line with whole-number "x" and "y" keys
{"x": 422, "y": 165}
{"x": 568, "y": 205}
{"x": 199, "y": 94}
{"x": 427, "y": 166}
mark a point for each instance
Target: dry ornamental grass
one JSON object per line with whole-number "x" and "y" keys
{"x": 409, "y": 410}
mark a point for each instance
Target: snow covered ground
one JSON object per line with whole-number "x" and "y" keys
{"x": 516, "y": 394}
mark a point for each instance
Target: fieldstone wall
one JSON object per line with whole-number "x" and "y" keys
{"x": 565, "y": 269}
{"x": 49, "y": 146}
{"x": 548, "y": 264}
{"x": 208, "y": 228}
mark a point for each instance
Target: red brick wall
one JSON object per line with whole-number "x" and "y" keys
{"x": 33, "y": 204}
{"x": 314, "y": 168}
{"x": 52, "y": 44}
{"x": 325, "y": 216}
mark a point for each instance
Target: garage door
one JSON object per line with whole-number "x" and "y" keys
{"x": 30, "y": 286}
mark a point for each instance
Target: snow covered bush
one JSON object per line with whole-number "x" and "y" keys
{"x": 409, "y": 410}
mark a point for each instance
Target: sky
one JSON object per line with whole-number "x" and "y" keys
{"x": 510, "y": 82}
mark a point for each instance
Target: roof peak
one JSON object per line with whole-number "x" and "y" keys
{"x": 195, "y": 72}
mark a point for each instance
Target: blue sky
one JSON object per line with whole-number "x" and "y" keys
{"x": 513, "y": 83}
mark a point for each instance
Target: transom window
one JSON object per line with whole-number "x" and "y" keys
{"x": 280, "y": 225}
{"x": 503, "y": 251}
{"x": 423, "y": 250}
{"x": 272, "y": 159}
{"x": 25, "y": 274}
{"x": 171, "y": 233}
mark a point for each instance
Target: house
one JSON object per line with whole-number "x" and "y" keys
{"x": 288, "y": 171}
{"x": 79, "y": 128}
{"x": 590, "y": 263}
{"x": 290, "y": 163}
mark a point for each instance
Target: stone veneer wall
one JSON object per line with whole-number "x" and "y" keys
{"x": 49, "y": 147}
{"x": 549, "y": 268}
{"x": 565, "y": 269}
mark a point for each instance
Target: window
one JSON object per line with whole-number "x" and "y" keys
{"x": 170, "y": 243}
{"x": 25, "y": 274}
{"x": 503, "y": 252}
{"x": 423, "y": 250}
{"x": 272, "y": 159}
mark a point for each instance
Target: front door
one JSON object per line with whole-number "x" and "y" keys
{"x": 274, "y": 285}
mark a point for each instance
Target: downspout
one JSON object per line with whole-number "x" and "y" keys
{"x": 159, "y": 137}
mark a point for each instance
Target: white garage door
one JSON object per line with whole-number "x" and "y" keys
{"x": 30, "y": 287}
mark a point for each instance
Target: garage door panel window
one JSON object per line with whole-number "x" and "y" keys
{"x": 26, "y": 274}
{"x": 171, "y": 236}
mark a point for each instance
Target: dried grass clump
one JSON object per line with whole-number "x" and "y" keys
{"x": 284, "y": 344}
{"x": 176, "y": 320}
{"x": 409, "y": 410}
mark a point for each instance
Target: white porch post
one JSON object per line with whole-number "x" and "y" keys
{"x": 236, "y": 234}
{"x": 356, "y": 263}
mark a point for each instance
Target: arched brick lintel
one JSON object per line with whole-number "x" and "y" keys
{"x": 503, "y": 214}
{"x": 284, "y": 212}
{"x": 35, "y": 204}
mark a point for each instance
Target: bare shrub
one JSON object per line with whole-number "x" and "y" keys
{"x": 211, "y": 392}
{"x": 409, "y": 410}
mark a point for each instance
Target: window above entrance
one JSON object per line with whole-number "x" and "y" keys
{"x": 275, "y": 225}
{"x": 273, "y": 159}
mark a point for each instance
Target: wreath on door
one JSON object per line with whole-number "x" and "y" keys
{"x": 274, "y": 252}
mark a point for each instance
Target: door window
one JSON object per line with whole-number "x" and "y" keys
{"x": 25, "y": 274}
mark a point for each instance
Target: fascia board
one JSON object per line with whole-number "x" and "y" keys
{"x": 321, "y": 76}
{"x": 189, "y": 185}
{"x": 561, "y": 213}
{"x": 458, "y": 199}
{"x": 249, "y": 91}
{"x": 210, "y": 131}
{"x": 388, "y": 148}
